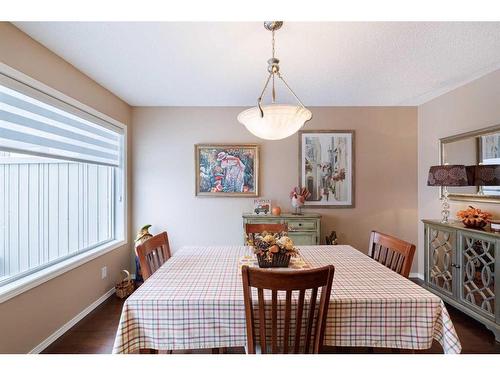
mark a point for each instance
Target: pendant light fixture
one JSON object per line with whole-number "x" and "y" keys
{"x": 274, "y": 121}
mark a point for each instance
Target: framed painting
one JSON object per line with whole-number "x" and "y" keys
{"x": 227, "y": 170}
{"x": 326, "y": 167}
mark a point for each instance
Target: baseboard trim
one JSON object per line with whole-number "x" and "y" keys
{"x": 417, "y": 276}
{"x": 61, "y": 331}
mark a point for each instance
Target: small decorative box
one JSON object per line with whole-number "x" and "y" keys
{"x": 495, "y": 225}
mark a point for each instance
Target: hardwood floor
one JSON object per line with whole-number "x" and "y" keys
{"x": 93, "y": 334}
{"x": 96, "y": 332}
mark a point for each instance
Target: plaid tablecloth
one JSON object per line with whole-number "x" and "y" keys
{"x": 195, "y": 300}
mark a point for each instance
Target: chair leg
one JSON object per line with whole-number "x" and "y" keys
{"x": 258, "y": 349}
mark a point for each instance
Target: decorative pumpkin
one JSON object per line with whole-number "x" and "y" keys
{"x": 276, "y": 211}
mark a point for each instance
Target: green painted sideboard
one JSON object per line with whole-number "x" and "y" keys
{"x": 302, "y": 229}
{"x": 462, "y": 267}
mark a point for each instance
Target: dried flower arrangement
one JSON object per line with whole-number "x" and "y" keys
{"x": 474, "y": 217}
{"x": 273, "y": 250}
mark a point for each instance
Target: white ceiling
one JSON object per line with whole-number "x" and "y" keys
{"x": 224, "y": 64}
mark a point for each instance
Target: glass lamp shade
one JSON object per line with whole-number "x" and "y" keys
{"x": 279, "y": 121}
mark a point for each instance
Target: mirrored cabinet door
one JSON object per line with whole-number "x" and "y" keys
{"x": 477, "y": 273}
{"x": 441, "y": 258}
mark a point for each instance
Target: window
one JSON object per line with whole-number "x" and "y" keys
{"x": 61, "y": 181}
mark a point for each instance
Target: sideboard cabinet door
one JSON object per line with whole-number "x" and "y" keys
{"x": 477, "y": 272}
{"x": 303, "y": 238}
{"x": 440, "y": 254}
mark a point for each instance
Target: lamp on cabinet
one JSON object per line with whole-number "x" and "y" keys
{"x": 449, "y": 175}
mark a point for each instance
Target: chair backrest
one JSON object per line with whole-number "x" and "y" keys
{"x": 269, "y": 228}
{"x": 392, "y": 252}
{"x": 153, "y": 253}
{"x": 298, "y": 281}
{"x": 252, "y": 229}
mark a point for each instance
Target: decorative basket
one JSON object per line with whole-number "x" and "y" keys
{"x": 474, "y": 218}
{"x": 474, "y": 223}
{"x": 125, "y": 287}
{"x": 277, "y": 260}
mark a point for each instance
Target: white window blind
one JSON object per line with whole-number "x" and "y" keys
{"x": 34, "y": 123}
{"x": 62, "y": 178}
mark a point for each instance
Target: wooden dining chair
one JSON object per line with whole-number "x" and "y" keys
{"x": 153, "y": 253}
{"x": 269, "y": 228}
{"x": 298, "y": 281}
{"x": 252, "y": 229}
{"x": 392, "y": 252}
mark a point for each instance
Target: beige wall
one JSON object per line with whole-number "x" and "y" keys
{"x": 163, "y": 169}
{"x": 470, "y": 107}
{"x": 28, "y": 319}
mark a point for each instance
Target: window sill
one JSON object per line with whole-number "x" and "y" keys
{"x": 26, "y": 283}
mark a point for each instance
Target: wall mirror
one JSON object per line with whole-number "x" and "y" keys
{"x": 473, "y": 148}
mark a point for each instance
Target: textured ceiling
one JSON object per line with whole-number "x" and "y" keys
{"x": 224, "y": 64}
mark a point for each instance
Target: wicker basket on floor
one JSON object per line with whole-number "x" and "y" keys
{"x": 125, "y": 287}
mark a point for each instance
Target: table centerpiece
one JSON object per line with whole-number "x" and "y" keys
{"x": 273, "y": 250}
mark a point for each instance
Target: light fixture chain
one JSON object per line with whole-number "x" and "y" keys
{"x": 273, "y": 43}
{"x": 273, "y": 51}
{"x": 273, "y": 70}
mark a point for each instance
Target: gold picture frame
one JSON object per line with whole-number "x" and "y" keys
{"x": 227, "y": 170}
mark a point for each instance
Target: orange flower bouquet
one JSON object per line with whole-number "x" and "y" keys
{"x": 474, "y": 217}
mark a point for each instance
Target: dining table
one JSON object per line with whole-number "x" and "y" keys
{"x": 195, "y": 301}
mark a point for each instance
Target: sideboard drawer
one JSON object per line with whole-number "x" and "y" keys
{"x": 264, "y": 220}
{"x": 300, "y": 225}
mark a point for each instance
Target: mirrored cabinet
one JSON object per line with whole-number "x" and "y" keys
{"x": 461, "y": 267}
